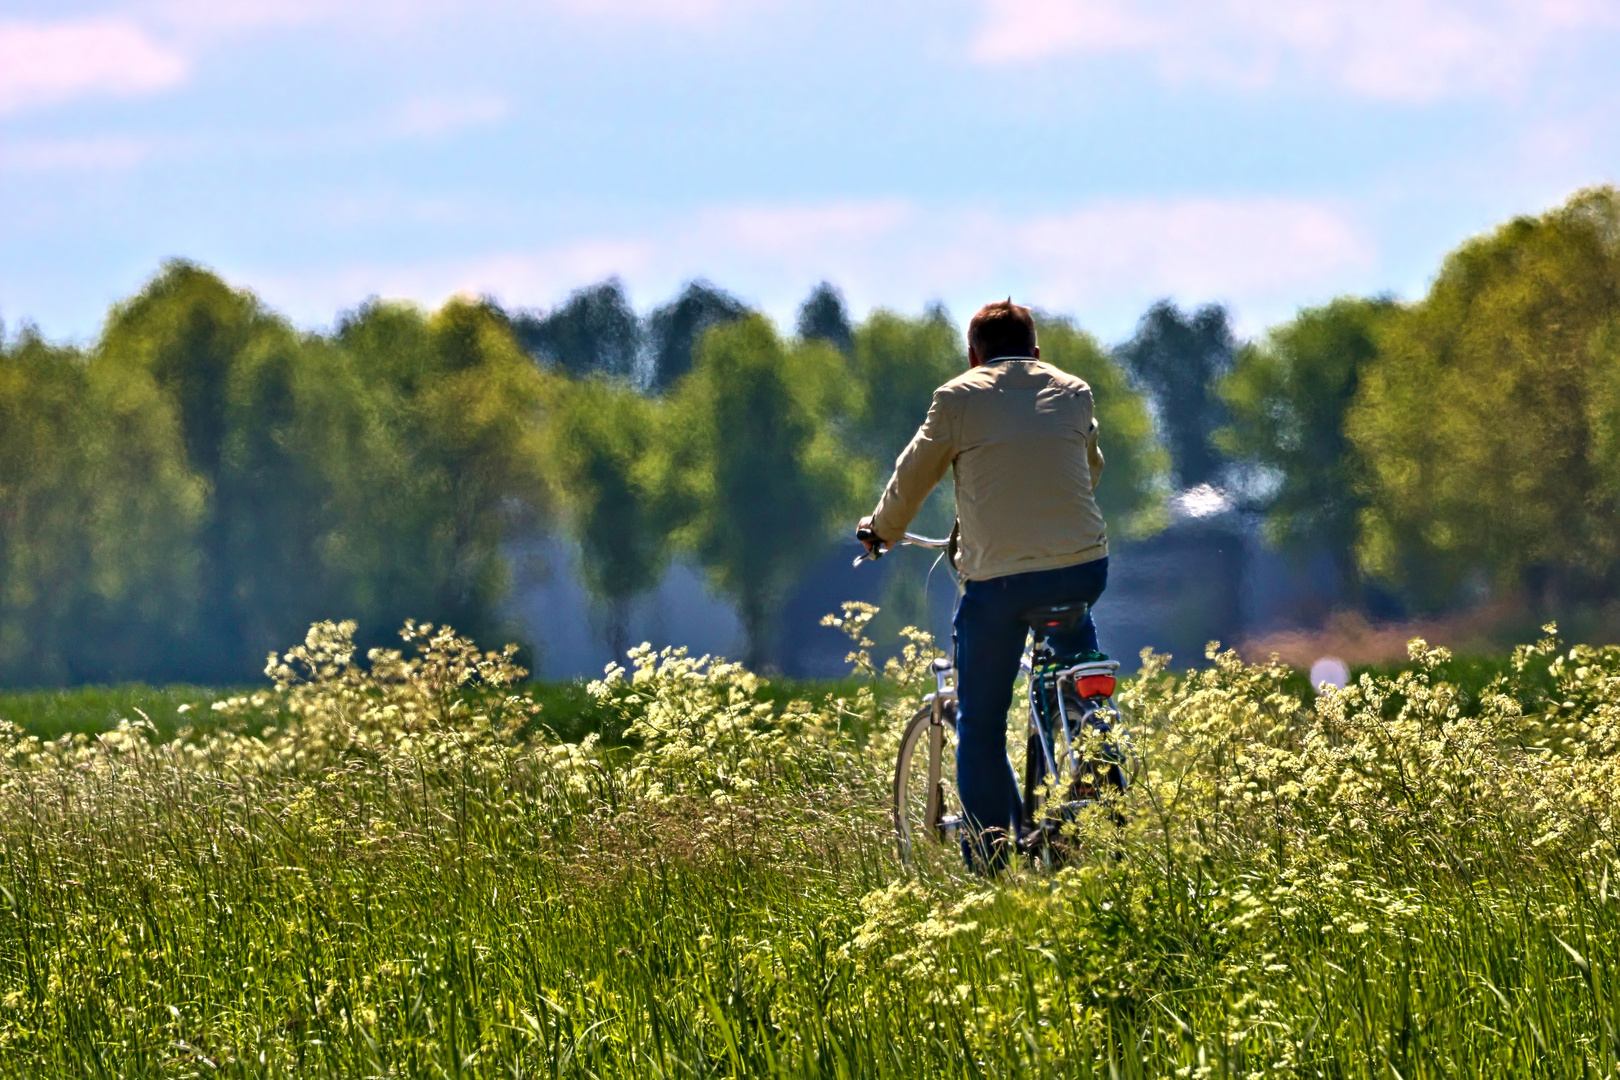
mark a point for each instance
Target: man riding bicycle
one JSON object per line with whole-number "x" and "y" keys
{"x": 1021, "y": 438}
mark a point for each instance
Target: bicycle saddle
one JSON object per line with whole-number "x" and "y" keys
{"x": 1056, "y": 617}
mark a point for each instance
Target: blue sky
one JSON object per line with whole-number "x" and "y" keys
{"x": 1088, "y": 156}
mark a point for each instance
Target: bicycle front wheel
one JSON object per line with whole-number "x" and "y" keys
{"x": 926, "y": 805}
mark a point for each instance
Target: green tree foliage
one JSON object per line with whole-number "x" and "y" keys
{"x": 896, "y": 363}
{"x": 206, "y": 480}
{"x": 596, "y": 330}
{"x": 1135, "y": 482}
{"x": 1487, "y": 422}
{"x": 825, "y": 316}
{"x": 1286, "y": 401}
{"x": 43, "y": 468}
{"x": 599, "y": 439}
{"x": 1179, "y": 359}
{"x": 97, "y": 515}
{"x": 674, "y": 330}
{"x": 765, "y": 477}
{"x": 225, "y": 368}
{"x": 455, "y": 420}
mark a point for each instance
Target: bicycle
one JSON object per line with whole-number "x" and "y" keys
{"x": 1068, "y": 696}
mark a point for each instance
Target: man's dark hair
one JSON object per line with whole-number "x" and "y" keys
{"x": 1002, "y": 329}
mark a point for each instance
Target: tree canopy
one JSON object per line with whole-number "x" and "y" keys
{"x": 1135, "y": 473}
{"x": 204, "y": 480}
{"x": 594, "y": 331}
{"x": 601, "y": 438}
{"x": 1286, "y": 399}
{"x": 767, "y": 474}
{"x": 98, "y": 572}
{"x": 674, "y": 330}
{"x": 825, "y": 316}
{"x": 1487, "y": 422}
{"x": 1179, "y": 358}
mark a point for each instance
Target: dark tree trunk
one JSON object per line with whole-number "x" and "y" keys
{"x": 758, "y": 625}
{"x": 617, "y": 630}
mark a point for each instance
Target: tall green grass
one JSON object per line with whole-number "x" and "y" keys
{"x": 383, "y": 875}
{"x": 91, "y": 710}
{"x": 569, "y": 711}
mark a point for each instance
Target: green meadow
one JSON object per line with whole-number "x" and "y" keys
{"x": 420, "y": 865}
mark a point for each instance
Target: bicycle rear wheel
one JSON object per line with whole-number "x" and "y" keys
{"x": 1092, "y": 773}
{"x": 927, "y": 807}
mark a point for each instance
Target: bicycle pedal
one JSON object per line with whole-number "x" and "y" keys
{"x": 1045, "y": 842}
{"x": 1045, "y": 828}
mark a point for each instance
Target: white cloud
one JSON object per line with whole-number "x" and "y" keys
{"x": 43, "y": 63}
{"x": 73, "y": 155}
{"x": 1104, "y": 262}
{"x": 216, "y": 15}
{"x": 516, "y": 277}
{"x": 432, "y": 117}
{"x": 1402, "y": 50}
{"x": 213, "y": 15}
{"x": 1195, "y": 248}
{"x": 663, "y": 10}
{"x": 790, "y": 232}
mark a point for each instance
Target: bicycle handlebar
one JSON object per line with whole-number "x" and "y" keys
{"x": 911, "y": 539}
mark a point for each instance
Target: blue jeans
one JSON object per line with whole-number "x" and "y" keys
{"x": 990, "y": 638}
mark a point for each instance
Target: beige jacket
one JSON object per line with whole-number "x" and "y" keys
{"x": 1022, "y": 438}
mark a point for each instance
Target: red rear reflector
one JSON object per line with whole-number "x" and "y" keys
{"x": 1096, "y": 686}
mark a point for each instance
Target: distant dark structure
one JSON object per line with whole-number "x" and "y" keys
{"x": 1178, "y": 359}
{"x": 674, "y": 330}
{"x": 1209, "y": 576}
{"x": 1181, "y": 589}
{"x": 594, "y": 332}
{"x": 825, "y": 317}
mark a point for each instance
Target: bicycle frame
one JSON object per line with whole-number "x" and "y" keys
{"x": 1046, "y": 679}
{"x": 1048, "y": 682}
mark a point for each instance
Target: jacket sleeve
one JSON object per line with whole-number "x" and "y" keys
{"x": 921, "y": 465}
{"x": 1094, "y": 456}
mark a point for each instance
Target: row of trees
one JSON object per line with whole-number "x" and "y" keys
{"x": 178, "y": 499}
{"x": 1467, "y": 443}
{"x": 768, "y": 448}
{"x": 204, "y": 480}
{"x": 1464, "y": 444}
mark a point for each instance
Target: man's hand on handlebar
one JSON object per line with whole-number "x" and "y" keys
{"x": 875, "y": 545}
{"x": 868, "y": 536}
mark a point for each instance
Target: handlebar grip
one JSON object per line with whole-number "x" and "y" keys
{"x": 874, "y": 551}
